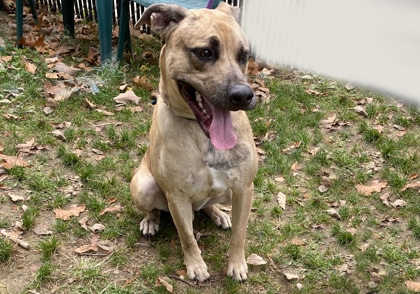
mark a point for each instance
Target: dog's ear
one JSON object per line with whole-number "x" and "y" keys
{"x": 162, "y": 18}
{"x": 235, "y": 12}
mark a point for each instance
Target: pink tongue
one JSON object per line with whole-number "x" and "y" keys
{"x": 221, "y": 130}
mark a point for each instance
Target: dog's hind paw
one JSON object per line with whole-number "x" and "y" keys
{"x": 149, "y": 226}
{"x": 220, "y": 218}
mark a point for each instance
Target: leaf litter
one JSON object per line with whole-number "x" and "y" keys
{"x": 66, "y": 214}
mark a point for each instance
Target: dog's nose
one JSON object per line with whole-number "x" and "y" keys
{"x": 241, "y": 96}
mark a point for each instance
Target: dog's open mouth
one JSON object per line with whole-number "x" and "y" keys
{"x": 215, "y": 122}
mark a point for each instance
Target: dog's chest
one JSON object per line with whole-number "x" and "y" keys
{"x": 221, "y": 160}
{"x": 212, "y": 183}
{"x": 212, "y": 186}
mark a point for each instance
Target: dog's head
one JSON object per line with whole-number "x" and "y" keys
{"x": 203, "y": 65}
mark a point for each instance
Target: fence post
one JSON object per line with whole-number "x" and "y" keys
{"x": 104, "y": 10}
{"x": 67, "y": 7}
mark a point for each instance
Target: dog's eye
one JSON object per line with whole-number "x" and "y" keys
{"x": 204, "y": 53}
{"x": 243, "y": 57}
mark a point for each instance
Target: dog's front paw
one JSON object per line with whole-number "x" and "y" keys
{"x": 149, "y": 226}
{"x": 237, "y": 270}
{"x": 197, "y": 271}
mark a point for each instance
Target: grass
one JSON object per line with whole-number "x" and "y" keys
{"x": 6, "y": 249}
{"x": 92, "y": 161}
{"x": 48, "y": 247}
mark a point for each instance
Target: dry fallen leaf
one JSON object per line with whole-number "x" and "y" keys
{"x": 113, "y": 208}
{"x": 322, "y": 188}
{"x": 7, "y": 58}
{"x": 326, "y": 181}
{"x": 410, "y": 177}
{"x": 74, "y": 210}
{"x": 97, "y": 228}
{"x": 252, "y": 67}
{"x": 292, "y": 275}
{"x": 281, "y": 200}
{"x": 59, "y": 134}
{"x": 295, "y": 167}
{"x": 312, "y": 92}
{"x": 47, "y": 110}
{"x": 361, "y": 110}
{"x": 385, "y": 199}
{"x": 181, "y": 272}
{"x": 123, "y": 88}
{"x": 61, "y": 67}
{"x": 398, "y": 203}
{"x": 334, "y": 212}
{"x": 364, "y": 247}
{"x": 411, "y": 185}
{"x": 42, "y": 229}
{"x": 329, "y": 120}
{"x": 10, "y": 116}
{"x": 413, "y": 286}
{"x": 279, "y": 179}
{"x": 298, "y": 242}
{"x": 27, "y": 144}
{"x": 49, "y": 60}
{"x": 314, "y": 151}
{"x": 16, "y": 198}
{"x": 30, "y": 67}
{"x": 51, "y": 75}
{"x": 51, "y": 103}
{"x": 292, "y": 147}
{"x": 91, "y": 105}
{"x": 374, "y": 186}
{"x": 388, "y": 221}
{"x": 83, "y": 223}
{"x": 60, "y": 91}
{"x": 11, "y": 161}
{"x": 127, "y": 97}
{"x": 111, "y": 200}
{"x": 375, "y": 277}
{"x": 104, "y": 112}
{"x": 161, "y": 282}
{"x": 143, "y": 82}
{"x": 255, "y": 259}
{"x": 14, "y": 236}
{"x": 93, "y": 246}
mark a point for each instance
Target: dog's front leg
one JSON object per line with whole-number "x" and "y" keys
{"x": 183, "y": 215}
{"x": 241, "y": 207}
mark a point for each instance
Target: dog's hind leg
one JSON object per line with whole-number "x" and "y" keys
{"x": 220, "y": 218}
{"x": 148, "y": 197}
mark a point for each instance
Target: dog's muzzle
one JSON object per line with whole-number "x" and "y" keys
{"x": 215, "y": 119}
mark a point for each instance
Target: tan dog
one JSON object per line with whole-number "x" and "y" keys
{"x": 201, "y": 148}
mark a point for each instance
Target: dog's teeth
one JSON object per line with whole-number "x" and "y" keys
{"x": 205, "y": 113}
{"x": 198, "y": 97}
{"x": 201, "y": 105}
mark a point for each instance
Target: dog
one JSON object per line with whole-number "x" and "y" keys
{"x": 201, "y": 149}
